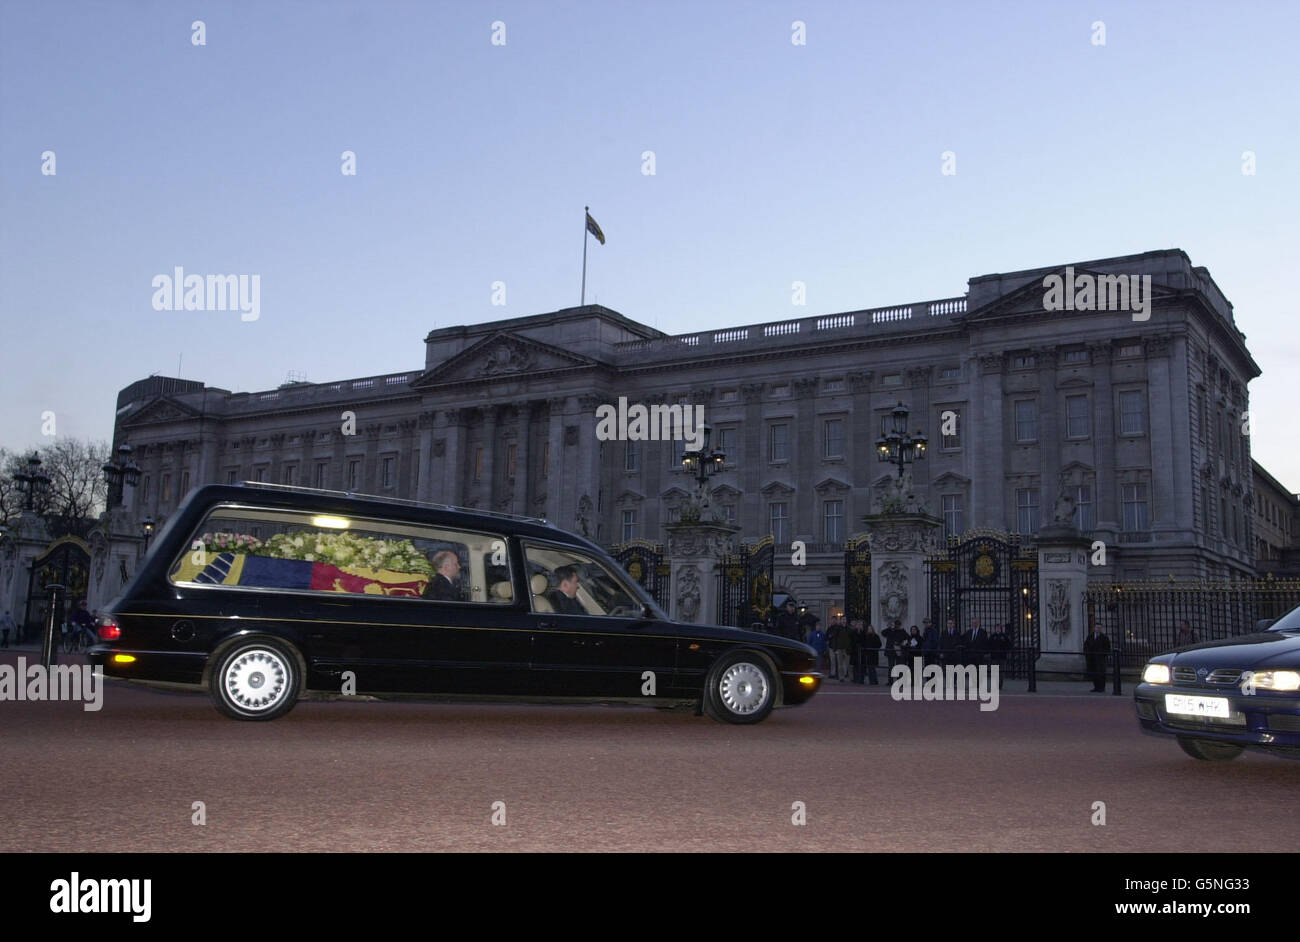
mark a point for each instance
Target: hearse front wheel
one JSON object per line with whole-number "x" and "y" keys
{"x": 740, "y": 689}
{"x": 255, "y": 680}
{"x": 1210, "y": 750}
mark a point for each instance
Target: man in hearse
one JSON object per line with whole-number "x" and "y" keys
{"x": 564, "y": 598}
{"x": 443, "y": 586}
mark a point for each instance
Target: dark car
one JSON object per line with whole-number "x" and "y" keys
{"x": 1222, "y": 697}
{"x": 265, "y": 595}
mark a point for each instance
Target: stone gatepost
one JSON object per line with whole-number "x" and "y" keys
{"x": 1062, "y": 579}
{"x": 695, "y": 552}
{"x": 24, "y": 541}
{"x": 899, "y": 544}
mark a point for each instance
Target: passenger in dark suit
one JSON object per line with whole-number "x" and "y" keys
{"x": 443, "y": 586}
{"x": 564, "y": 598}
{"x": 1096, "y": 646}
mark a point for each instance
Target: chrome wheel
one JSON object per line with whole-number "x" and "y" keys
{"x": 743, "y": 688}
{"x": 256, "y": 680}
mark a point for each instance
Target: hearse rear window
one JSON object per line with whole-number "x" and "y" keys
{"x": 305, "y": 552}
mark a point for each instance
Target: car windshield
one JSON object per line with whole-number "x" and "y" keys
{"x": 1288, "y": 622}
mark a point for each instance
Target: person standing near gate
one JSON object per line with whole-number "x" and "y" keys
{"x": 929, "y": 641}
{"x": 787, "y": 623}
{"x": 976, "y": 643}
{"x": 871, "y": 643}
{"x": 1095, "y": 648}
{"x": 857, "y": 649}
{"x": 950, "y": 644}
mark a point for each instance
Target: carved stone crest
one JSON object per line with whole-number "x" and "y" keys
{"x": 508, "y": 356}
{"x": 688, "y": 593}
{"x": 893, "y": 591}
{"x": 1058, "y": 606}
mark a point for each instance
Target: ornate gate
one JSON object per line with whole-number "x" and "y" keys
{"x": 644, "y": 562}
{"x": 857, "y": 579}
{"x": 65, "y": 562}
{"x": 991, "y": 576}
{"x": 745, "y": 584}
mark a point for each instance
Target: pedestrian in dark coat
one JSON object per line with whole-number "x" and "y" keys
{"x": 871, "y": 643}
{"x": 1095, "y": 647}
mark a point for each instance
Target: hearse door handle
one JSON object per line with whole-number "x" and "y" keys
{"x": 546, "y": 624}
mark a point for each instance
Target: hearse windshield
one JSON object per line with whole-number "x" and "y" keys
{"x": 1288, "y": 622}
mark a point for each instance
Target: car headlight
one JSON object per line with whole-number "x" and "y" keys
{"x": 1275, "y": 680}
{"x": 1155, "y": 674}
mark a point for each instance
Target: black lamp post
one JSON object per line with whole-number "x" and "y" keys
{"x": 34, "y": 483}
{"x": 898, "y": 447}
{"x": 147, "y": 525}
{"x": 704, "y": 462}
{"x": 120, "y": 473}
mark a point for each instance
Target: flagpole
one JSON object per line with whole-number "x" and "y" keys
{"x": 585, "y": 211}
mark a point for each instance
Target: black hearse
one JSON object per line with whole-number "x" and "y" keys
{"x": 265, "y": 594}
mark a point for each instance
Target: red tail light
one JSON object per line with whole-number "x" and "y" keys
{"x": 108, "y": 630}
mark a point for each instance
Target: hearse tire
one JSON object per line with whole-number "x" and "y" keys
{"x": 255, "y": 679}
{"x": 1210, "y": 750}
{"x": 740, "y": 688}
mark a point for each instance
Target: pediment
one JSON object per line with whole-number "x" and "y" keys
{"x": 831, "y": 484}
{"x": 1074, "y": 382}
{"x": 501, "y": 354}
{"x": 726, "y": 491}
{"x": 1029, "y": 298}
{"x": 629, "y": 497}
{"x": 673, "y": 493}
{"x": 775, "y": 487}
{"x": 951, "y": 479}
{"x": 161, "y": 410}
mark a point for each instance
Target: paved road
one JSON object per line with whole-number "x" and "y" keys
{"x": 874, "y": 774}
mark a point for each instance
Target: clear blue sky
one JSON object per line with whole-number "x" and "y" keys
{"x": 775, "y": 163}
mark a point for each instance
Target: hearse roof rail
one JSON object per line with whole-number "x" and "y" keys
{"x": 295, "y": 489}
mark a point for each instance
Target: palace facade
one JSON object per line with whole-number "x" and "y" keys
{"x": 1140, "y": 421}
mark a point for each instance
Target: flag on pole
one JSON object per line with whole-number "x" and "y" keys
{"x": 594, "y": 229}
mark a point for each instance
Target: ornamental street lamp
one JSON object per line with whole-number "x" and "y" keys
{"x": 34, "y": 483}
{"x": 147, "y": 525}
{"x": 120, "y": 473}
{"x": 702, "y": 464}
{"x": 898, "y": 447}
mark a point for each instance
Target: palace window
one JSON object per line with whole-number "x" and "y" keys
{"x": 950, "y": 423}
{"x": 354, "y": 474}
{"x": 289, "y": 474}
{"x": 1084, "y": 516}
{"x": 778, "y": 515}
{"x": 386, "y": 471}
{"x": 631, "y": 457}
{"x": 322, "y": 472}
{"x": 833, "y": 521}
{"x": 1133, "y": 498}
{"x": 954, "y": 523}
{"x": 629, "y": 525}
{"x": 1131, "y": 418}
{"x": 1026, "y": 420}
{"x": 833, "y": 438}
{"x": 1077, "y": 420}
{"x": 1027, "y": 510}
{"x": 778, "y": 443}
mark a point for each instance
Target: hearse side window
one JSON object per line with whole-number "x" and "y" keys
{"x": 564, "y": 582}
{"x": 305, "y": 552}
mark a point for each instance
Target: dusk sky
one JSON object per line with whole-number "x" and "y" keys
{"x": 774, "y": 162}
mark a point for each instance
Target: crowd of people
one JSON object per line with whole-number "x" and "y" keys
{"x": 851, "y": 652}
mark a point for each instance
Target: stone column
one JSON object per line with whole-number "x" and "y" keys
{"x": 26, "y": 539}
{"x": 1106, "y": 507}
{"x": 695, "y": 552}
{"x": 485, "y": 487}
{"x": 524, "y": 429}
{"x": 989, "y": 436}
{"x": 899, "y": 544}
{"x": 1062, "y": 578}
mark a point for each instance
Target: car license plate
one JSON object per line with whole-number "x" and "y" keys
{"x": 1196, "y": 706}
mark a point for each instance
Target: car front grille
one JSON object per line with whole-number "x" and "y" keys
{"x": 1184, "y": 675}
{"x": 1224, "y": 677}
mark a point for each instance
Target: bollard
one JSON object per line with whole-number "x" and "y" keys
{"x": 49, "y": 644}
{"x": 1117, "y": 690}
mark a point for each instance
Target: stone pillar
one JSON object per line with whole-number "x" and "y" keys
{"x": 899, "y": 544}
{"x": 1062, "y": 579}
{"x": 26, "y": 539}
{"x": 695, "y": 552}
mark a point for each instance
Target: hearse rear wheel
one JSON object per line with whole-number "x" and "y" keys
{"x": 255, "y": 680}
{"x": 1209, "y": 750}
{"x": 740, "y": 689}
